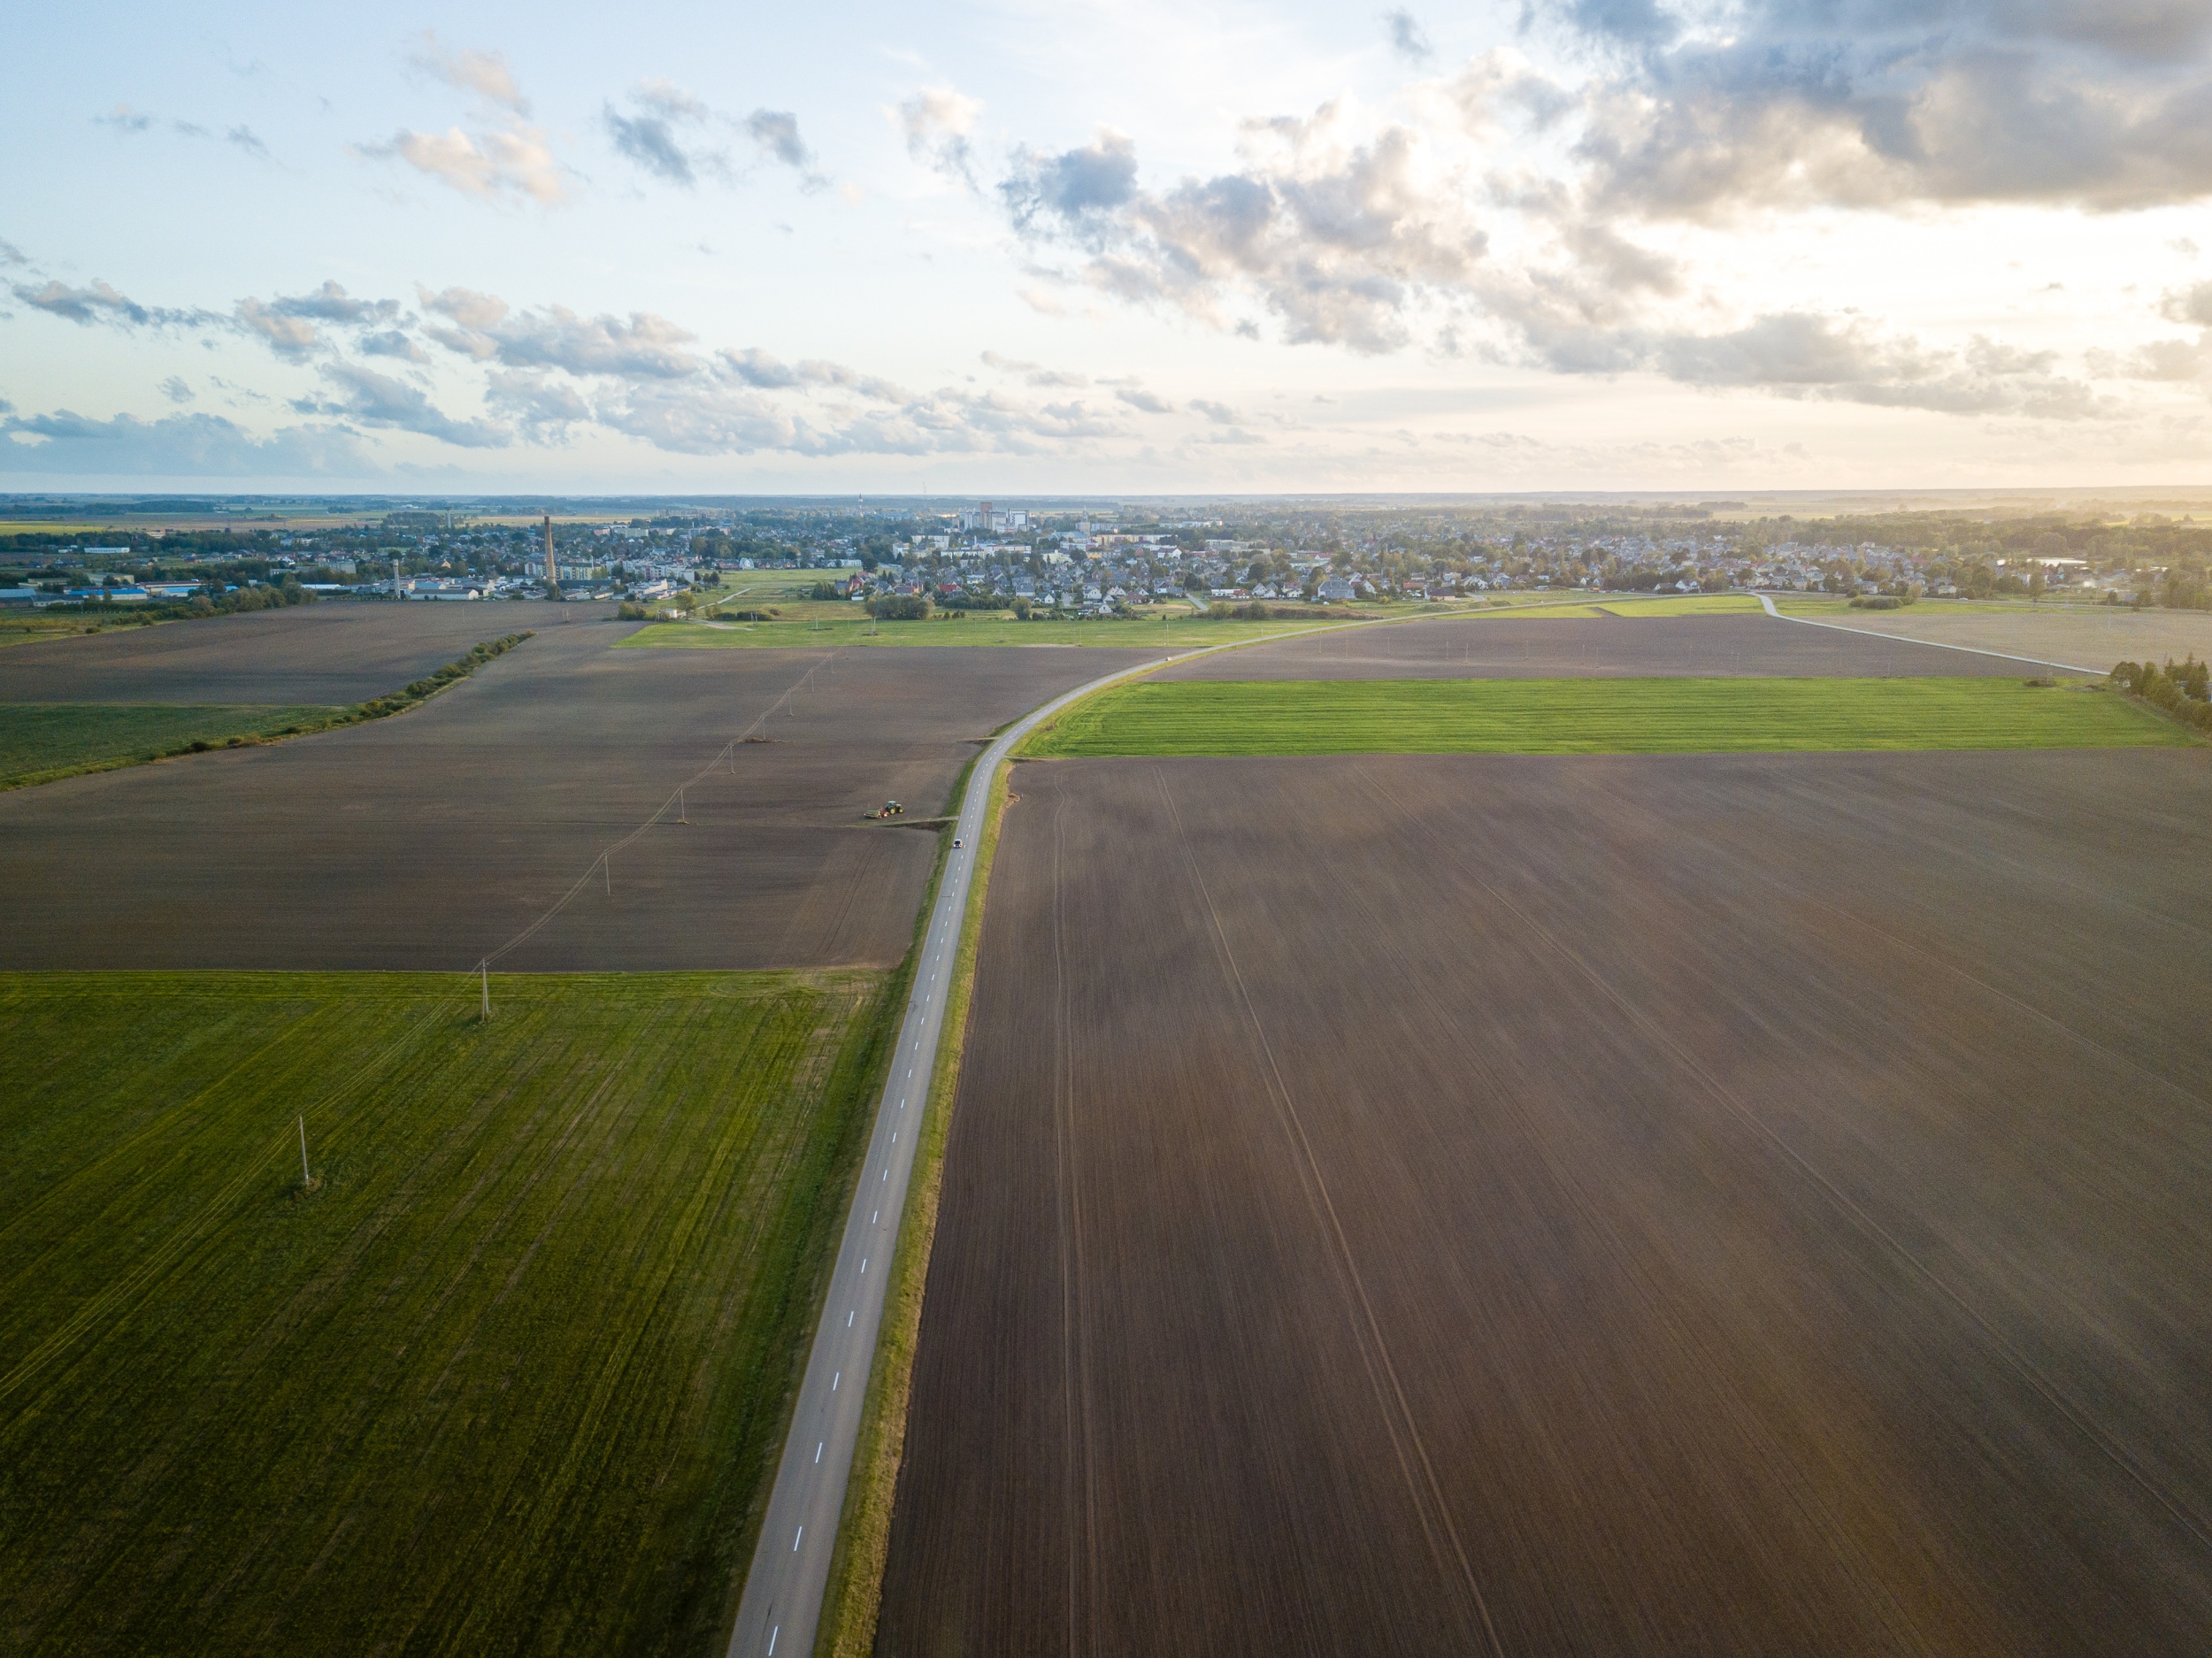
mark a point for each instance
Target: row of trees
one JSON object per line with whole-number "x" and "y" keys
{"x": 2183, "y": 690}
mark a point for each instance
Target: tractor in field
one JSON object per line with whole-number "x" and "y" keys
{"x": 891, "y": 809}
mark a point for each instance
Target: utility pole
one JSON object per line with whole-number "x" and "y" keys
{"x": 484, "y": 968}
{"x": 306, "y": 1179}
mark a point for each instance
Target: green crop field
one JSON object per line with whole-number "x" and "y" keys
{"x": 39, "y": 741}
{"x": 973, "y": 627}
{"x": 1685, "y": 604}
{"x": 511, "y": 1380}
{"x": 1592, "y": 717}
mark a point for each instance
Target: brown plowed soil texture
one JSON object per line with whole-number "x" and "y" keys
{"x": 427, "y": 840}
{"x": 1674, "y": 646}
{"x": 334, "y": 653}
{"x": 1731, "y": 1204}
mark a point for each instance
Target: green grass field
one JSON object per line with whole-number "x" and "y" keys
{"x": 1685, "y": 604}
{"x": 39, "y": 741}
{"x": 512, "y": 1380}
{"x": 1592, "y": 717}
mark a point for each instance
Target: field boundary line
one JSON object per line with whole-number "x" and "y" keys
{"x": 1933, "y": 644}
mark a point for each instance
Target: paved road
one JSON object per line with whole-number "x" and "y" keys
{"x": 783, "y": 1602}
{"x": 790, "y": 1571}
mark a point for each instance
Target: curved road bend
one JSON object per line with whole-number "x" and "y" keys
{"x": 783, "y": 1602}
{"x": 1971, "y": 650}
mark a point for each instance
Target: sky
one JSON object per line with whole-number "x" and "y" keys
{"x": 1141, "y": 247}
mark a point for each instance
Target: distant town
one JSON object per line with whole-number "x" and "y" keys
{"x": 1098, "y": 561}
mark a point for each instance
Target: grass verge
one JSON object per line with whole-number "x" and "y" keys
{"x": 43, "y": 742}
{"x": 511, "y": 1379}
{"x": 1655, "y": 716}
{"x": 854, "y": 1595}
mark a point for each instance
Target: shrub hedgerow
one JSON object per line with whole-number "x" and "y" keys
{"x": 2184, "y": 689}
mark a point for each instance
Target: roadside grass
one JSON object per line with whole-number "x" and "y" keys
{"x": 39, "y": 741}
{"x": 1657, "y": 716}
{"x": 512, "y": 1379}
{"x": 43, "y": 742}
{"x": 854, "y": 1597}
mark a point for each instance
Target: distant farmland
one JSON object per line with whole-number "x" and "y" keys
{"x": 1560, "y": 716}
{"x": 510, "y": 1382}
{"x": 421, "y": 843}
{"x": 1540, "y": 645}
{"x": 1175, "y": 631}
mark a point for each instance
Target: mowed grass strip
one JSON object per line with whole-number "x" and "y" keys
{"x": 39, "y": 741}
{"x": 512, "y": 1380}
{"x": 1658, "y": 716}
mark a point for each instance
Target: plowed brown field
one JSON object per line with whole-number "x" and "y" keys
{"x": 1509, "y": 648}
{"x": 1729, "y": 1204}
{"x": 425, "y": 840}
{"x": 334, "y": 653}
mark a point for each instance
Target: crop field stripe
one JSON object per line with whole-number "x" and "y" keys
{"x": 1425, "y": 1492}
{"x": 1652, "y": 716}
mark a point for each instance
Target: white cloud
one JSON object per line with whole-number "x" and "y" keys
{"x": 371, "y": 399}
{"x": 514, "y": 160}
{"x": 1339, "y": 233}
{"x": 485, "y": 74}
{"x": 177, "y": 445}
{"x": 937, "y": 122}
{"x": 292, "y": 338}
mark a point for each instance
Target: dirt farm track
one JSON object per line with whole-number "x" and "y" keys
{"x": 1729, "y": 1204}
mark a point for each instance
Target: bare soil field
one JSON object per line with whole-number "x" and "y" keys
{"x": 338, "y": 652}
{"x": 425, "y": 840}
{"x": 1509, "y": 648}
{"x": 1730, "y": 1204}
{"x": 2088, "y": 635}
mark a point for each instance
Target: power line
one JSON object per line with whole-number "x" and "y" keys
{"x": 605, "y": 860}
